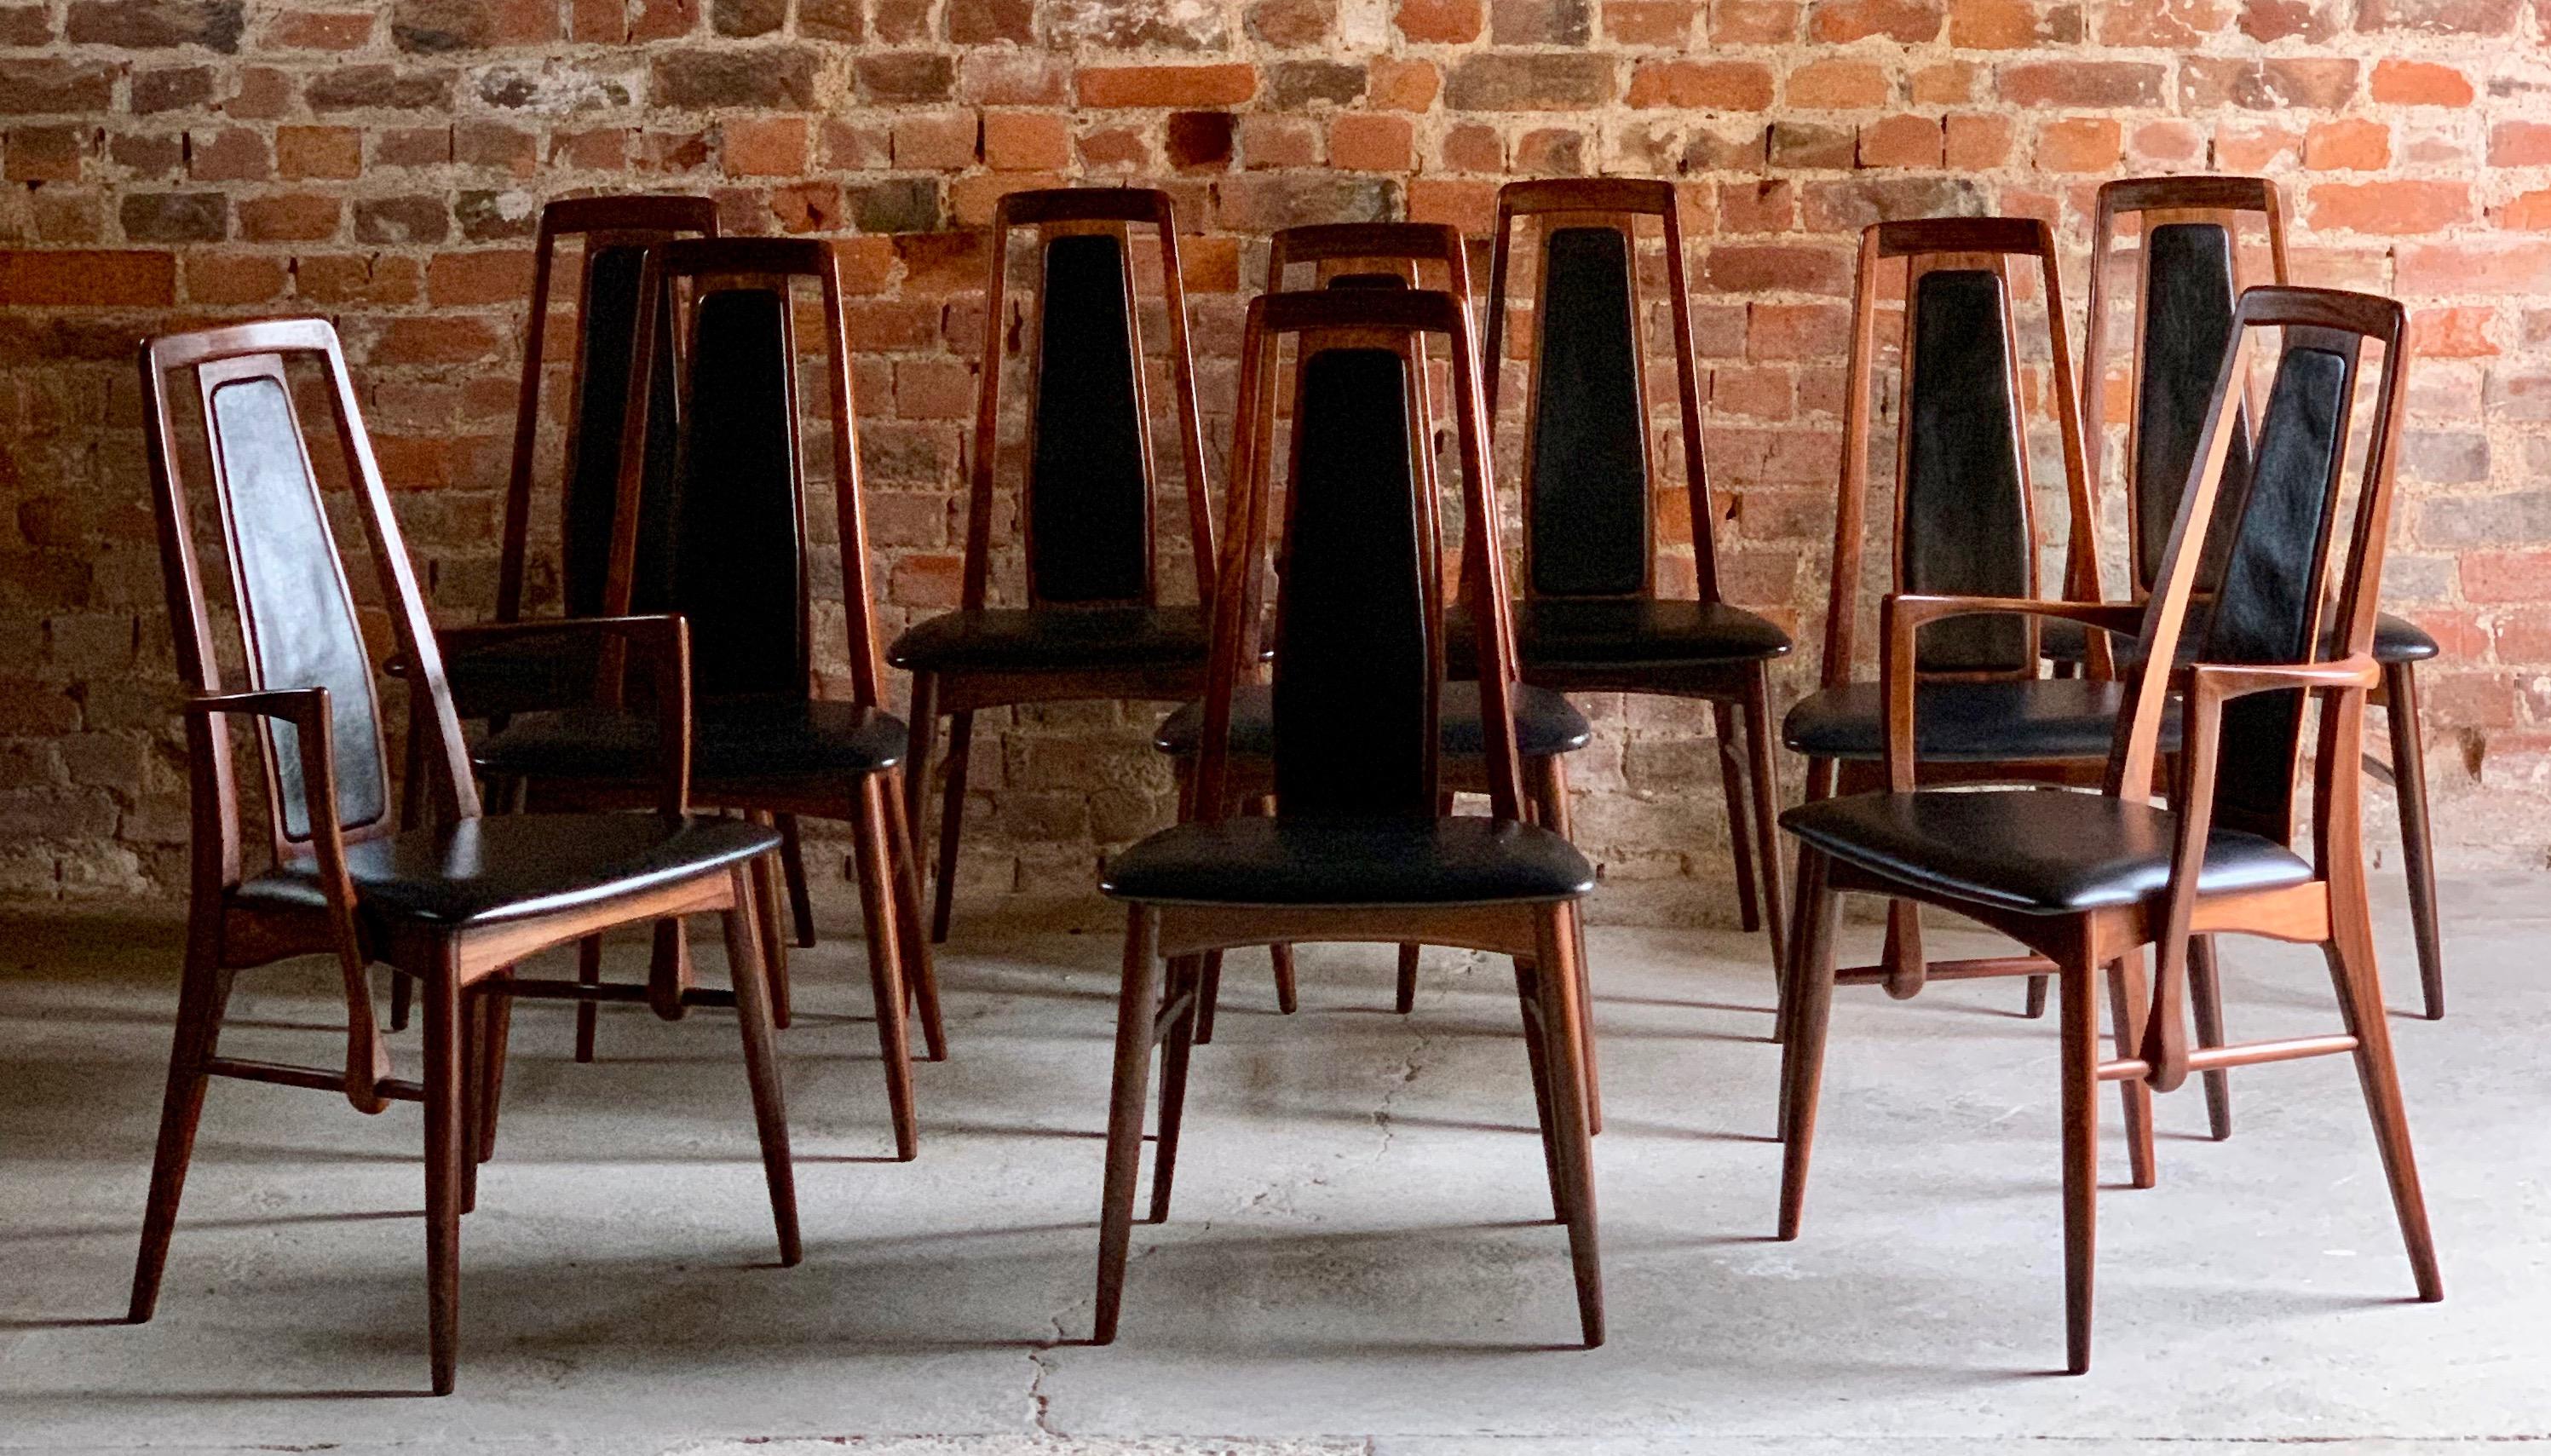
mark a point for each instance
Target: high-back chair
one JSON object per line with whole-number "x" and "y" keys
{"x": 615, "y": 294}
{"x": 453, "y": 906}
{"x": 2086, "y": 878}
{"x": 1093, "y": 626}
{"x": 1594, "y": 616}
{"x": 1548, "y": 727}
{"x": 1964, "y": 517}
{"x": 2188, "y": 270}
{"x": 738, "y": 566}
{"x": 1359, "y": 846}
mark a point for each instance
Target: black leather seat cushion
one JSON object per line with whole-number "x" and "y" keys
{"x": 1055, "y": 639}
{"x": 2041, "y": 720}
{"x": 1350, "y": 863}
{"x": 2031, "y": 850}
{"x": 2395, "y": 640}
{"x": 733, "y": 741}
{"x": 1560, "y": 632}
{"x": 1545, "y": 723}
{"x": 509, "y": 866}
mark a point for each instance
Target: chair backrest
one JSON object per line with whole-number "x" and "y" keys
{"x": 1591, "y": 481}
{"x": 1359, "y": 648}
{"x": 617, "y": 293}
{"x": 2188, "y": 273}
{"x": 738, "y": 567}
{"x": 1964, "y": 514}
{"x": 2275, "y": 531}
{"x": 297, "y": 619}
{"x": 1086, "y": 498}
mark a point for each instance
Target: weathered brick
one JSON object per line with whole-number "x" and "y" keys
{"x": 763, "y": 75}
{"x": 83, "y": 278}
{"x": 38, "y": 86}
{"x": 1530, "y": 81}
{"x": 157, "y": 24}
{"x": 175, "y": 216}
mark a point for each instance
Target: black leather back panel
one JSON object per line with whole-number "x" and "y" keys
{"x": 607, "y": 347}
{"x": 1088, "y": 523}
{"x": 2186, "y": 327}
{"x": 1587, "y": 479}
{"x": 2278, "y": 549}
{"x": 294, "y": 584}
{"x": 1354, "y": 675}
{"x": 737, "y": 562}
{"x": 1965, "y": 527}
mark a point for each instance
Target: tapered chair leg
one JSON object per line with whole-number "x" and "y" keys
{"x": 1209, "y": 997}
{"x": 1177, "y": 1049}
{"x": 1137, "y": 999}
{"x": 1765, "y": 783}
{"x": 921, "y": 735}
{"x": 2036, "y": 1005}
{"x": 1731, "y": 784}
{"x": 2127, "y": 989}
{"x": 2417, "y": 836}
{"x": 1405, "y": 994}
{"x": 792, "y": 868}
{"x": 1549, "y": 782}
{"x": 1536, "y": 1047}
{"x": 1802, "y": 1052}
{"x": 920, "y": 968}
{"x": 496, "y": 1032}
{"x": 588, "y": 971}
{"x": 402, "y": 993}
{"x": 2080, "y": 1114}
{"x": 1289, "y": 985}
{"x": 952, "y": 822}
{"x": 870, "y": 853}
{"x": 1563, "y": 1041}
{"x": 2206, "y": 998}
{"x": 766, "y": 899}
{"x": 751, "y": 975}
{"x": 2350, "y": 954}
{"x": 201, "y": 995}
{"x": 443, "y": 1170}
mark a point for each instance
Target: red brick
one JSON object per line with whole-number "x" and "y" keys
{"x": 2519, "y": 144}
{"x": 321, "y": 30}
{"x": 2451, "y": 333}
{"x": 86, "y": 278}
{"x": 2102, "y": 83}
{"x": 1372, "y": 144}
{"x": 2493, "y": 267}
{"x": 2527, "y": 211}
{"x": 1902, "y": 140}
{"x": 1840, "y": 22}
{"x": 1976, "y": 143}
{"x": 1701, "y": 85}
{"x": 2351, "y": 144}
{"x": 479, "y": 279}
{"x": 1838, "y": 85}
{"x": 306, "y": 152}
{"x": 762, "y": 145}
{"x": 2080, "y": 144}
{"x": 1665, "y": 22}
{"x": 1018, "y": 141}
{"x": 2506, "y": 575}
{"x": 235, "y": 278}
{"x": 440, "y": 340}
{"x": 2393, "y": 207}
{"x": 1401, "y": 85}
{"x": 1168, "y": 85}
{"x": 2420, "y": 83}
{"x": 1444, "y": 22}
{"x": 2174, "y": 22}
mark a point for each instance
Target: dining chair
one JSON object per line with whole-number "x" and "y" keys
{"x": 1964, "y": 518}
{"x": 1093, "y": 627}
{"x": 1359, "y": 846}
{"x": 738, "y": 564}
{"x": 1548, "y": 727}
{"x": 2187, "y": 271}
{"x": 1594, "y": 616}
{"x": 2084, "y": 879}
{"x": 606, "y": 240}
{"x": 454, "y": 907}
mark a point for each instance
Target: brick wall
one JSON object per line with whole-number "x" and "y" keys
{"x": 175, "y": 160}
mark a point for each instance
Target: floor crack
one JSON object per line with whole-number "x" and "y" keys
{"x": 1041, "y": 1404}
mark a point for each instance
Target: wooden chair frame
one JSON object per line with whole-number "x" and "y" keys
{"x": 1542, "y": 937}
{"x": 2223, "y": 202}
{"x": 2329, "y": 910}
{"x": 959, "y": 695}
{"x": 467, "y": 973}
{"x": 1617, "y": 204}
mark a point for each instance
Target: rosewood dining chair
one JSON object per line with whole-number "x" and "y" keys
{"x": 1359, "y": 846}
{"x": 454, "y": 907}
{"x": 2187, "y": 271}
{"x": 738, "y": 564}
{"x": 1965, "y": 519}
{"x": 606, "y": 240}
{"x": 1594, "y": 616}
{"x": 1548, "y": 727}
{"x": 2086, "y": 878}
{"x": 1093, "y": 626}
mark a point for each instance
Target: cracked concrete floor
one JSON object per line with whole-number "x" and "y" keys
{"x": 1359, "y": 1260}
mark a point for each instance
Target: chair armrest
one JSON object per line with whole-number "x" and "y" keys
{"x": 2208, "y": 687}
{"x": 664, "y": 638}
{"x": 312, "y": 717}
{"x": 1902, "y": 615}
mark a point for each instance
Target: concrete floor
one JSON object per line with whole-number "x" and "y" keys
{"x": 1359, "y": 1261}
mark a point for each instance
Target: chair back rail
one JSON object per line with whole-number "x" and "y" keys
{"x": 617, "y": 296}
{"x": 1964, "y": 520}
{"x": 1589, "y": 473}
{"x": 1085, "y": 496}
{"x": 2188, "y": 271}
{"x": 737, "y": 559}
{"x": 1358, "y": 620}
